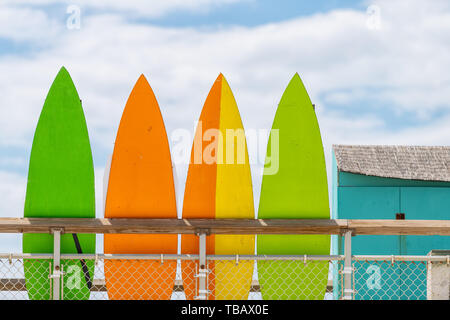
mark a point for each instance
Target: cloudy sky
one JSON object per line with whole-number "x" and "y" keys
{"x": 378, "y": 71}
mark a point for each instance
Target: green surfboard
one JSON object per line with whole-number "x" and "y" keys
{"x": 60, "y": 185}
{"x": 294, "y": 187}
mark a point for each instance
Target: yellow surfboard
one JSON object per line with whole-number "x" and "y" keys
{"x": 219, "y": 185}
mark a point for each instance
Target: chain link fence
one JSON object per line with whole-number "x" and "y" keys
{"x": 177, "y": 277}
{"x": 386, "y": 280}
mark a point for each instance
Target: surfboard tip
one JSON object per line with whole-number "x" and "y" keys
{"x": 142, "y": 77}
{"x": 142, "y": 83}
{"x": 296, "y": 77}
{"x": 295, "y": 83}
{"x": 63, "y": 80}
{"x": 63, "y": 72}
{"x": 220, "y": 77}
{"x": 142, "y": 80}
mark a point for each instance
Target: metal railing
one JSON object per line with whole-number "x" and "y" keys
{"x": 102, "y": 276}
{"x": 285, "y": 277}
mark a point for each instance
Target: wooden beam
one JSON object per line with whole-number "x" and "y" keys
{"x": 12, "y": 285}
{"x": 172, "y": 226}
{"x": 400, "y": 227}
{"x": 226, "y": 226}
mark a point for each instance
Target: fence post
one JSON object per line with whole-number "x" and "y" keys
{"x": 348, "y": 270}
{"x": 202, "y": 270}
{"x": 438, "y": 276}
{"x": 56, "y": 276}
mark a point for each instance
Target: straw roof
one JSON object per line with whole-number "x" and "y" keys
{"x": 402, "y": 162}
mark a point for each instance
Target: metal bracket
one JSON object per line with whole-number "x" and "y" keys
{"x": 343, "y": 232}
{"x": 203, "y": 295}
{"x": 347, "y": 270}
{"x": 201, "y": 273}
{"x": 348, "y": 294}
{"x": 199, "y": 232}
{"x": 57, "y": 229}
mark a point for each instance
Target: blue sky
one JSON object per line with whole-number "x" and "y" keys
{"x": 246, "y": 13}
{"x": 252, "y": 13}
{"x": 376, "y": 70}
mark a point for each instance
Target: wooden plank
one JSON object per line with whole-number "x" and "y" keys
{"x": 12, "y": 285}
{"x": 172, "y": 226}
{"x": 400, "y": 227}
{"x": 227, "y": 226}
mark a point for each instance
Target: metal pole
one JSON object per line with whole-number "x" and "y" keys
{"x": 56, "y": 276}
{"x": 348, "y": 270}
{"x": 202, "y": 271}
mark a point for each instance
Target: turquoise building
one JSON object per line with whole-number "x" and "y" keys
{"x": 390, "y": 182}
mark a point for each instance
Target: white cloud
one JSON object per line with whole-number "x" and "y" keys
{"x": 12, "y": 161}
{"x": 339, "y": 58}
{"x": 25, "y": 24}
{"x": 12, "y": 194}
{"x": 12, "y": 197}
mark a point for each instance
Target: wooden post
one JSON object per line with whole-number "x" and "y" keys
{"x": 438, "y": 276}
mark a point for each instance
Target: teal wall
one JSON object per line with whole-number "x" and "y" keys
{"x": 357, "y": 196}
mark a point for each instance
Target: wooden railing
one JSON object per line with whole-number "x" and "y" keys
{"x": 226, "y": 226}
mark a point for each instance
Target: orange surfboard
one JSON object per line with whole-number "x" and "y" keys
{"x": 141, "y": 185}
{"x": 219, "y": 185}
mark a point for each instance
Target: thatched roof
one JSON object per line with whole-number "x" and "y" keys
{"x": 402, "y": 162}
